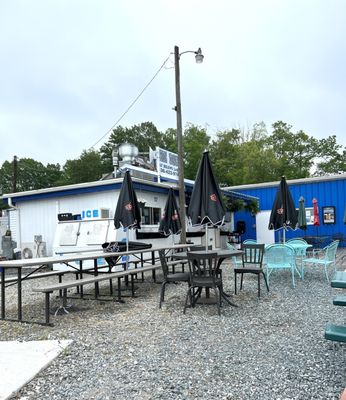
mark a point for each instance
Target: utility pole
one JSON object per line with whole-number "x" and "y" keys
{"x": 180, "y": 147}
{"x": 199, "y": 59}
{"x": 15, "y": 170}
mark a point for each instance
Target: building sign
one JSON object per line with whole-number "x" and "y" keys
{"x": 328, "y": 215}
{"x": 166, "y": 162}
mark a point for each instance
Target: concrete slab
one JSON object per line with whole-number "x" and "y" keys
{"x": 21, "y": 361}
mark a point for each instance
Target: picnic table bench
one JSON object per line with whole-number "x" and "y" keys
{"x": 48, "y": 289}
{"x": 337, "y": 333}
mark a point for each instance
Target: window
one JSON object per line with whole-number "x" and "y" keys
{"x": 151, "y": 215}
{"x": 309, "y": 216}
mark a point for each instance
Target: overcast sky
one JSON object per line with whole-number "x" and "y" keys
{"x": 70, "y": 68}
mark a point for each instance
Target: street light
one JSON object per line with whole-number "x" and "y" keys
{"x": 199, "y": 59}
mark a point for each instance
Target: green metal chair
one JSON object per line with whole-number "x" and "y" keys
{"x": 325, "y": 257}
{"x": 279, "y": 257}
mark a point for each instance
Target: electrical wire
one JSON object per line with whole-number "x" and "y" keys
{"x": 132, "y": 104}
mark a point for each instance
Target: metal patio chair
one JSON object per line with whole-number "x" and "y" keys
{"x": 169, "y": 277}
{"x": 301, "y": 252}
{"x": 204, "y": 274}
{"x": 252, "y": 263}
{"x": 279, "y": 257}
{"x": 325, "y": 257}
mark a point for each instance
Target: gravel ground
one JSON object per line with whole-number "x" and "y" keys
{"x": 272, "y": 348}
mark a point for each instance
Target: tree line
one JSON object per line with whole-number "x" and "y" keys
{"x": 238, "y": 156}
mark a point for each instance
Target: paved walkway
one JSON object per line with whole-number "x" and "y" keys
{"x": 21, "y": 361}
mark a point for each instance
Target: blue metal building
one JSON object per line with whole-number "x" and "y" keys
{"x": 330, "y": 192}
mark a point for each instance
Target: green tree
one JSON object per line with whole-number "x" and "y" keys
{"x": 331, "y": 157}
{"x": 87, "y": 168}
{"x": 196, "y": 141}
{"x": 225, "y": 155}
{"x": 143, "y": 136}
{"x": 294, "y": 152}
{"x": 30, "y": 175}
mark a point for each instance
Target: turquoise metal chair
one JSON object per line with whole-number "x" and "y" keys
{"x": 279, "y": 257}
{"x": 325, "y": 257}
{"x": 236, "y": 261}
{"x": 301, "y": 252}
{"x": 250, "y": 241}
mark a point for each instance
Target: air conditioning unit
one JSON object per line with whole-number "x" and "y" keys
{"x": 34, "y": 250}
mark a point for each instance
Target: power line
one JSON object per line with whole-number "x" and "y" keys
{"x": 132, "y": 104}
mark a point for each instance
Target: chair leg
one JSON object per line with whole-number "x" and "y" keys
{"x": 162, "y": 293}
{"x": 293, "y": 282}
{"x": 326, "y": 272}
{"x": 235, "y": 282}
{"x": 265, "y": 280}
{"x": 259, "y": 285}
{"x": 241, "y": 281}
{"x": 218, "y": 299}
{"x": 188, "y": 296}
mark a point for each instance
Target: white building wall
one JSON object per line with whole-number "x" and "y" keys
{"x": 39, "y": 217}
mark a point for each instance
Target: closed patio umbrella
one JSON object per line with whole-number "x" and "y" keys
{"x": 170, "y": 222}
{"x": 127, "y": 213}
{"x": 316, "y": 215}
{"x": 206, "y": 206}
{"x": 284, "y": 214}
{"x": 302, "y": 214}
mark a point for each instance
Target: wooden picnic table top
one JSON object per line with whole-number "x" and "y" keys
{"x": 29, "y": 262}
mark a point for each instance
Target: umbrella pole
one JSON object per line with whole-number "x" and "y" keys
{"x": 127, "y": 248}
{"x": 284, "y": 236}
{"x": 206, "y": 237}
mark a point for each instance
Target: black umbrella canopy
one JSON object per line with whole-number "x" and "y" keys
{"x": 206, "y": 205}
{"x": 127, "y": 213}
{"x": 170, "y": 221}
{"x": 284, "y": 213}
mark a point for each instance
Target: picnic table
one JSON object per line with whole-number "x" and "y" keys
{"x": 337, "y": 333}
{"x": 19, "y": 265}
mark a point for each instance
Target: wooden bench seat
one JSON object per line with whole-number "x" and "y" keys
{"x": 63, "y": 286}
{"x": 336, "y": 333}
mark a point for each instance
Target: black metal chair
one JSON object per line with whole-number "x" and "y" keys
{"x": 252, "y": 260}
{"x": 203, "y": 274}
{"x": 169, "y": 277}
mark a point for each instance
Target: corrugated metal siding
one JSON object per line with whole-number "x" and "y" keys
{"x": 327, "y": 193}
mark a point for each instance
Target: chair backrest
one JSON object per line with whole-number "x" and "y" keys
{"x": 252, "y": 253}
{"x": 297, "y": 240}
{"x": 163, "y": 260}
{"x": 202, "y": 265}
{"x": 279, "y": 255}
{"x": 198, "y": 247}
{"x": 331, "y": 250}
{"x": 299, "y": 251}
{"x": 249, "y": 241}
